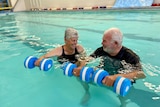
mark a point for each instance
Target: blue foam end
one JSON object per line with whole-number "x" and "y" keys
{"x": 47, "y": 64}
{"x": 29, "y": 62}
{"x": 88, "y": 74}
{"x": 101, "y": 76}
{"x": 70, "y": 69}
{"x": 125, "y": 86}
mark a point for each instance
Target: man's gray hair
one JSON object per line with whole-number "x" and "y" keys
{"x": 117, "y": 35}
{"x": 70, "y": 32}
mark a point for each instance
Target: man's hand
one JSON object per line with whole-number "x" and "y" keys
{"x": 76, "y": 71}
{"x": 109, "y": 80}
{"x": 140, "y": 75}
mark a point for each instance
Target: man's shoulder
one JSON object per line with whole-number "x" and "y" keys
{"x": 99, "y": 49}
{"x": 128, "y": 51}
{"x": 130, "y": 54}
{"x": 98, "y": 52}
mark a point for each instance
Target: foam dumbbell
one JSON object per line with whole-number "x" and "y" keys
{"x": 45, "y": 64}
{"x": 68, "y": 68}
{"x": 121, "y": 85}
{"x": 86, "y": 74}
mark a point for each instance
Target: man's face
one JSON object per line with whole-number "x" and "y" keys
{"x": 107, "y": 43}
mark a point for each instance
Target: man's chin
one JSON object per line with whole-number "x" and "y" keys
{"x": 105, "y": 50}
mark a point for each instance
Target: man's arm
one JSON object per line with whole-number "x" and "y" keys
{"x": 109, "y": 80}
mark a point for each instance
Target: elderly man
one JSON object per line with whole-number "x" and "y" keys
{"x": 116, "y": 59}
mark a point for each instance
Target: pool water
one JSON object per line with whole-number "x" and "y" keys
{"x": 34, "y": 33}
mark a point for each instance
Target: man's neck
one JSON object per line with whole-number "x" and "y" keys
{"x": 116, "y": 51}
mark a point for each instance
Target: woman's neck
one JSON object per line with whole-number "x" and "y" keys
{"x": 69, "y": 50}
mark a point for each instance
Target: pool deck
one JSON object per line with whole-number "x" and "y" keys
{"x": 93, "y": 8}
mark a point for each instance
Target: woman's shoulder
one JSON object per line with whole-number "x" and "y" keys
{"x": 79, "y": 48}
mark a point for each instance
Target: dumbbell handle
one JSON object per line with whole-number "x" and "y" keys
{"x": 38, "y": 61}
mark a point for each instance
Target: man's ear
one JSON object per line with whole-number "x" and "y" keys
{"x": 65, "y": 40}
{"x": 116, "y": 42}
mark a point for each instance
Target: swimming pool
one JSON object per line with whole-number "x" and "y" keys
{"x": 34, "y": 33}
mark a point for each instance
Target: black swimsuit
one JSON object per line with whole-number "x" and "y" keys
{"x": 70, "y": 58}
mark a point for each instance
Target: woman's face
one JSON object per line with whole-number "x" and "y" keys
{"x": 71, "y": 42}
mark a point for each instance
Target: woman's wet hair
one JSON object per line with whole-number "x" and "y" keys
{"x": 70, "y": 32}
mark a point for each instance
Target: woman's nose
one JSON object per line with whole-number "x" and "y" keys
{"x": 75, "y": 42}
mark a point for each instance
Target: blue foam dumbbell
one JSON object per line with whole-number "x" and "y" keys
{"x": 121, "y": 85}
{"x": 45, "y": 64}
{"x": 68, "y": 68}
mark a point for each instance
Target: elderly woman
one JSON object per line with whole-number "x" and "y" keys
{"x": 68, "y": 51}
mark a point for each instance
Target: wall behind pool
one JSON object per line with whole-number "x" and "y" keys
{"x": 73, "y": 4}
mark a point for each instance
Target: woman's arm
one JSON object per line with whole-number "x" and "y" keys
{"x": 55, "y": 52}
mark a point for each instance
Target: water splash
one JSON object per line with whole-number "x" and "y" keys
{"x": 152, "y": 86}
{"x": 32, "y": 38}
{"x": 151, "y": 70}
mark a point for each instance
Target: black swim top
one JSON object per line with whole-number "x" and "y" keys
{"x": 71, "y": 58}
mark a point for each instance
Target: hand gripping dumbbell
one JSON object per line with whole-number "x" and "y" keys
{"x": 121, "y": 85}
{"x": 85, "y": 73}
{"x": 45, "y": 64}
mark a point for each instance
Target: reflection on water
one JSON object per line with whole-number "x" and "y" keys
{"x": 141, "y": 97}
